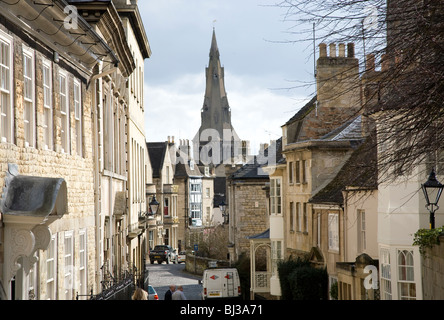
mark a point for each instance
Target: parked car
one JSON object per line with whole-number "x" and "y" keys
{"x": 173, "y": 256}
{"x": 162, "y": 253}
{"x": 152, "y": 294}
{"x": 181, "y": 257}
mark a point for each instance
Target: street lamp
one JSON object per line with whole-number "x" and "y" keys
{"x": 432, "y": 191}
{"x": 222, "y": 207}
{"x": 154, "y": 205}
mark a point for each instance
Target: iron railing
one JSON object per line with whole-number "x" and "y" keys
{"x": 121, "y": 286}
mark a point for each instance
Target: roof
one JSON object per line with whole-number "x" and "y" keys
{"x": 309, "y": 106}
{"x": 351, "y": 130}
{"x": 132, "y": 11}
{"x": 262, "y": 235}
{"x": 249, "y": 171}
{"x": 184, "y": 170}
{"x": 359, "y": 171}
{"x": 252, "y": 170}
{"x": 156, "y": 152}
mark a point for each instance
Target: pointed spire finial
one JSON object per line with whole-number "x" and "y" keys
{"x": 214, "y": 51}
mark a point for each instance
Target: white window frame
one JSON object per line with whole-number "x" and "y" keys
{"x": 409, "y": 270}
{"x": 6, "y": 91}
{"x": 277, "y": 254}
{"x": 65, "y": 114}
{"x": 83, "y": 262}
{"x": 196, "y": 199}
{"x": 333, "y": 232}
{"x": 29, "y": 101}
{"x": 51, "y": 269}
{"x": 68, "y": 274}
{"x": 48, "y": 119}
{"x": 78, "y": 116}
{"x": 276, "y": 196}
{"x": 385, "y": 274}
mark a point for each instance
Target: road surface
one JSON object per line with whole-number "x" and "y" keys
{"x": 162, "y": 275}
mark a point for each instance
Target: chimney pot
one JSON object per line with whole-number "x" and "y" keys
{"x": 332, "y": 50}
{"x": 351, "y": 50}
{"x": 322, "y": 50}
{"x": 342, "y": 50}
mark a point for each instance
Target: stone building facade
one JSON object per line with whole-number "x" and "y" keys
{"x": 63, "y": 147}
{"x": 47, "y": 243}
{"x": 163, "y": 227}
{"x": 248, "y": 211}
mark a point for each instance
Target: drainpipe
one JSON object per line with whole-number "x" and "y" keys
{"x": 96, "y": 93}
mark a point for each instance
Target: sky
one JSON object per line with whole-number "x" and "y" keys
{"x": 261, "y": 65}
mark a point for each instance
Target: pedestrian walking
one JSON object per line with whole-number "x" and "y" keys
{"x": 178, "y": 294}
{"x": 169, "y": 293}
{"x": 140, "y": 294}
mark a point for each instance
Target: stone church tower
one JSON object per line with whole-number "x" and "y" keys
{"x": 216, "y": 142}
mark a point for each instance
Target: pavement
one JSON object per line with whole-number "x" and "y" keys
{"x": 161, "y": 276}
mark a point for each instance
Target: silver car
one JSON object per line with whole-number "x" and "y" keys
{"x": 152, "y": 294}
{"x": 181, "y": 256}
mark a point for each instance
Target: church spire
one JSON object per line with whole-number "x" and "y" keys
{"x": 214, "y": 50}
{"x": 215, "y": 112}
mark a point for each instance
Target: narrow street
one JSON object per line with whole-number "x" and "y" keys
{"x": 161, "y": 276}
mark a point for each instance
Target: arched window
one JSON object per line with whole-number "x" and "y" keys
{"x": 406, "y": 277}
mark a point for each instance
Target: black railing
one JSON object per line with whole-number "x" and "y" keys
{"x": 119, "y": 287}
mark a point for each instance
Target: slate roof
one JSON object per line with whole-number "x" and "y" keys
{"x": 262, "y": 235}
{"x": 156, "y": 152}
{"x": 309, "y": 106}
{"x": 359, "y": 171}
{"x": 184, "y": 170}
{"x": 351, "y": 130}
{"x": 252, "y": 170}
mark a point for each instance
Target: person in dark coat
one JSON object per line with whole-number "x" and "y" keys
{"x": 170, "y": 291}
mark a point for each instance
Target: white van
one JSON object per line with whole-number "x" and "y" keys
{"x": 222, "y": 283}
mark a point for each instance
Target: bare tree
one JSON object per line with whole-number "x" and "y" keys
{"x": 404, "y": 91}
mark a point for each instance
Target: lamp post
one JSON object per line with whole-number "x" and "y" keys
{"x": 222, "y": 207}
{"x": 432, "y": 192}
{"x": 154, "y": 205}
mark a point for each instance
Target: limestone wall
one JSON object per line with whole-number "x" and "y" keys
{"x": 77, "y": 170}
{"x": 433, "y": 272}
